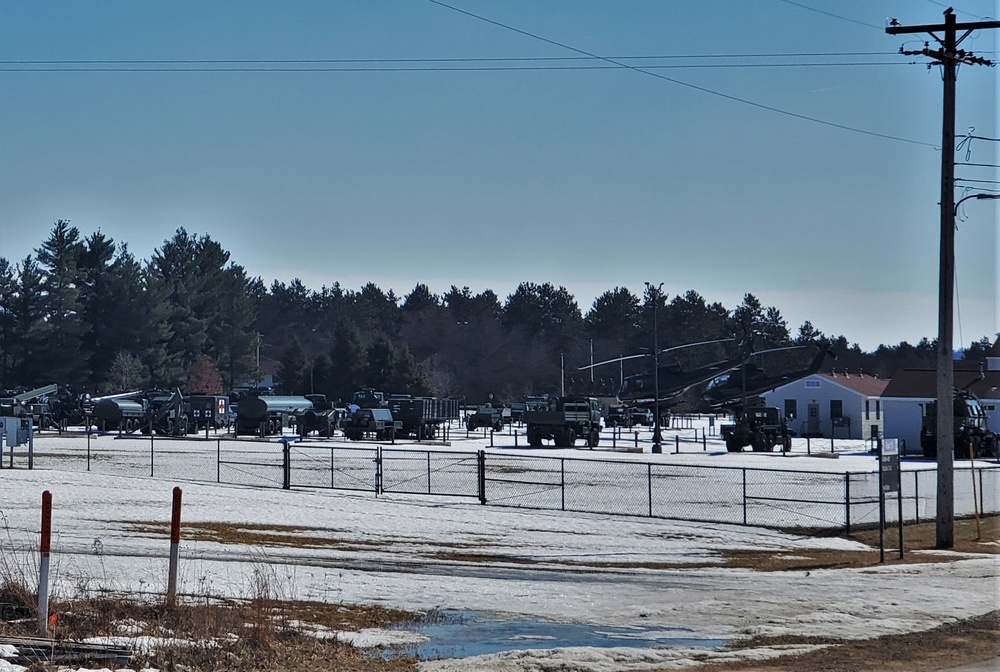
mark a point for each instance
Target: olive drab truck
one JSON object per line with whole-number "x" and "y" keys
{"x": 564, "y": 420}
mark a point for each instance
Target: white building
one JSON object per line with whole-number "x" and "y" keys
{"x": 839, "y": 405}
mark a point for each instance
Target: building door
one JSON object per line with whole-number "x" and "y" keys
{"x": 812, "y": 422}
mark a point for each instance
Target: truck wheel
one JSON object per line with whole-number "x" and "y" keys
{"x": 570, "y": 438}
{"x": 733, "y": 445}
{"x": 534, "y": 439}
{"x": 595, "y": 438}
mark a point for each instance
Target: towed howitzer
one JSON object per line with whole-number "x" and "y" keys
{"x": 168, "y": 415}
{"x": 322, "y": 418}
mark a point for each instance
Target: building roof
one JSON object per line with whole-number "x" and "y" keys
{"x": 859, "y": 382}
{"x": 922, "y": 383}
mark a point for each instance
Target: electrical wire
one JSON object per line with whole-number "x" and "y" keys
{"x": 496, "y": 68}
{"x": 695, "y": 87}
{"x": 836, "y": 16}
{"x": 825, "y": 54}
{"x": 962, "y": 179}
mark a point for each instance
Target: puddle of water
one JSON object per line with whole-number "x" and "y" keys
{"x": 460, "y": 634}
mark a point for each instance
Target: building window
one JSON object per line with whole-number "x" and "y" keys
{"x": 791, "y": 409}
{"x": 836, "y": 408}
{"x": 812, "y": 384}
{"x": 878, "y": 408}
{"x": 867, "y": 412}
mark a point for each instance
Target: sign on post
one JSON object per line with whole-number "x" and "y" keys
{"x": 889, "y": 481}
{"x": 889, "y": 465}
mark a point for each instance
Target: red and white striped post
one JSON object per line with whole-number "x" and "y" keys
{"x": 175, "y": 542}
{"x": 43, "y": 569}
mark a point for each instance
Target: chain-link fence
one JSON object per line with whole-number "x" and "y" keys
{"x": 722, "y": 494}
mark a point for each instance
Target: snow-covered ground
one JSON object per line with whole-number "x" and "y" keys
{"x": 416, "y": 553}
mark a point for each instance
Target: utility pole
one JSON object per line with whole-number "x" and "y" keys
{"x": 655, "y": 292}
{"x": 949, "y": 56}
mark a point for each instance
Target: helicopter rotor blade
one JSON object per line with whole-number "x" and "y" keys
{"x": 612, "y": 361}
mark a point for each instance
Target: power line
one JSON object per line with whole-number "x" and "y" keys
{"x": 957, "y": 11}
{"x": 836, "y": 16}
{"x": 445, "y": 60}
{"x": 469, "y": 68}
{"x": 683, "y": 83}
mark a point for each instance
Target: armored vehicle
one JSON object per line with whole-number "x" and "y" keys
{"x": 489, "y": 416}
{"x": 372, "y": 423}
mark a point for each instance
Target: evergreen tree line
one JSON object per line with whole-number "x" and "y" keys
{"x": 86, "y": 313}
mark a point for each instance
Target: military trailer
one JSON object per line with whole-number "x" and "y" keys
{"x": 267, "y": 415}
{"x": 420, "y": 417}
{"x": 120, "y": 414}
{"x": 761, "y": 427}
{"x": 564, "y": 420}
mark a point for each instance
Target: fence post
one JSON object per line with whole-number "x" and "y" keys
{"x": 677, "y": 444}
{"x": 286, "y": 465}
{"x": 429, "y": 492}
{"x": 378, "y": 471}
{"x": 704, "y": 440}
{"x": 562, "y": 482}
{"x": 481, "y": 474}
{"x": 43, "y": 567}
{"x": 916, "y": 496}
{"x": 808, "y": 446}
{"x": 175, "y": 541}
{"x": 981, "y": 500}
{"x": 649, "y": 486}
{"x": 847, "y": 502}
{"x": 152, "y": 452}
{"x": 744, "y": 496}
{"x": 636, "y": 438}
{"x": 218, "y": 460}
{"x": 88, "y": 448}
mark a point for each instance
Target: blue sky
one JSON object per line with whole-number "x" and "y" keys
{"x": 454, "y": 172}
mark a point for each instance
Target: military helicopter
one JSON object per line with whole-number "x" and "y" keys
{"x": 720, "y": 383}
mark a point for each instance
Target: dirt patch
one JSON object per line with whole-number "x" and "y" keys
{"x": 951, "y": 645}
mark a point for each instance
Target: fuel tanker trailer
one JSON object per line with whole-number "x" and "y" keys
{"x": 262, "y": 416}
{"x": 119, "y": 414}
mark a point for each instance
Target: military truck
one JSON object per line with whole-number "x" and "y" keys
{"x": 209, "y": 411}
{"x": 760, "y": 427}
{"x": 33, "y": 403}
{"x": 564, "y": 420}
{"x": 970, "y": 426}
